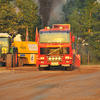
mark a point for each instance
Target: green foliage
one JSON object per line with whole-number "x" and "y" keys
{"x": 18, "y": 15}
{"x": 94, "y": 37}
{"x": 84, "y": 58}
{"x": 96, "y": 17}
{"x": 84, "y": 17}
{"x": 28, "y": 17}
{"x": 8, "y": 18}
{"x": 73, "y": 5}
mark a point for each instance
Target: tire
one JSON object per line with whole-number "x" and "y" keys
{"x": 20, "y": 62}
{"x": 9, "y": 61}
{"x": 70, "y": 68}
{"x": 41, "y": 68}
{"x": 0, "y": 64}
{"x": 15, "y": 59}
{"x": 65, "y": 68}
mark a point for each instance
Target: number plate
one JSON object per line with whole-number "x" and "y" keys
{"x": 54, "y": 63}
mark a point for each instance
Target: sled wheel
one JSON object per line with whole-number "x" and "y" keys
{"x": 20, "y": 62}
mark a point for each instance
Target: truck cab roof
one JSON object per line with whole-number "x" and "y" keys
{"x": 53, "y": 29}
{"x": 57, "y": 27}
{"x": 4, "y": 35}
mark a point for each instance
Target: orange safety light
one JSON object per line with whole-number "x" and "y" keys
{"x": 45, "y": 27}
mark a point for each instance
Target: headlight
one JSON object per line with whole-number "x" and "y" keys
{"x": 52, "y": 58}
{"x": 67, "y": 57}
{"x": 49, "y": 58}
{"x": 59, "y": 58}
{"x": 56, "y": 58}
{"x": 42, "y": 58}
{"x": 70, "y": 57}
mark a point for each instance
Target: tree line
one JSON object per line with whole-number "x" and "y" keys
{"x": 15, "y": 16}
{"x": 83, "y": 15}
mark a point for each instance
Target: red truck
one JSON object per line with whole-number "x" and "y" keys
{"x": 55, "y": 48}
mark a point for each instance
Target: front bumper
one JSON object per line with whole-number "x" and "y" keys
{"x": 65, "y": 63}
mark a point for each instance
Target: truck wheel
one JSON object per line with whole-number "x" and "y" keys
{"x": 9, "y": 61}
{"x": 65, "y": 68}
{"x": 20, "y": 62}
{"x": 73, "y": 67}
{"x": 70, "y": 68}
{"x": 15, "y": 59}
{"x": 0, "y": 64}
{"x": 41, "y": 68}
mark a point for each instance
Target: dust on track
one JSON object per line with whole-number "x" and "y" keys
{"x": 50, "y": 84}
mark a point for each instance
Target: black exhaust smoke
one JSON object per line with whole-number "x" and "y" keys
{"x": 45, "y": 7}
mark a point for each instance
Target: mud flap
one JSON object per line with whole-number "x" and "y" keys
{"x": 77, "y": 60}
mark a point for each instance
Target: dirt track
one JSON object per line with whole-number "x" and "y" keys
{"x": 28, "y": 83}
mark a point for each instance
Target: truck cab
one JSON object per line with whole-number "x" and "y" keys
{"x": 8, "y": 54}
{"x": 55, "y": 47}
{"x": 5, "y": 43}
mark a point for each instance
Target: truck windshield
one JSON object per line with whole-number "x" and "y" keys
{"x": 52, "y": 37}
{"x": 50, "y": 51}
{"x": 3, "y": 42}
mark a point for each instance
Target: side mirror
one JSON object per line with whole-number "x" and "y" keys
{"x": 73, "y": 38}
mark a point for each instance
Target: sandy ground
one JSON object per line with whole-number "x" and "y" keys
{"x": 28, "y": 83}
